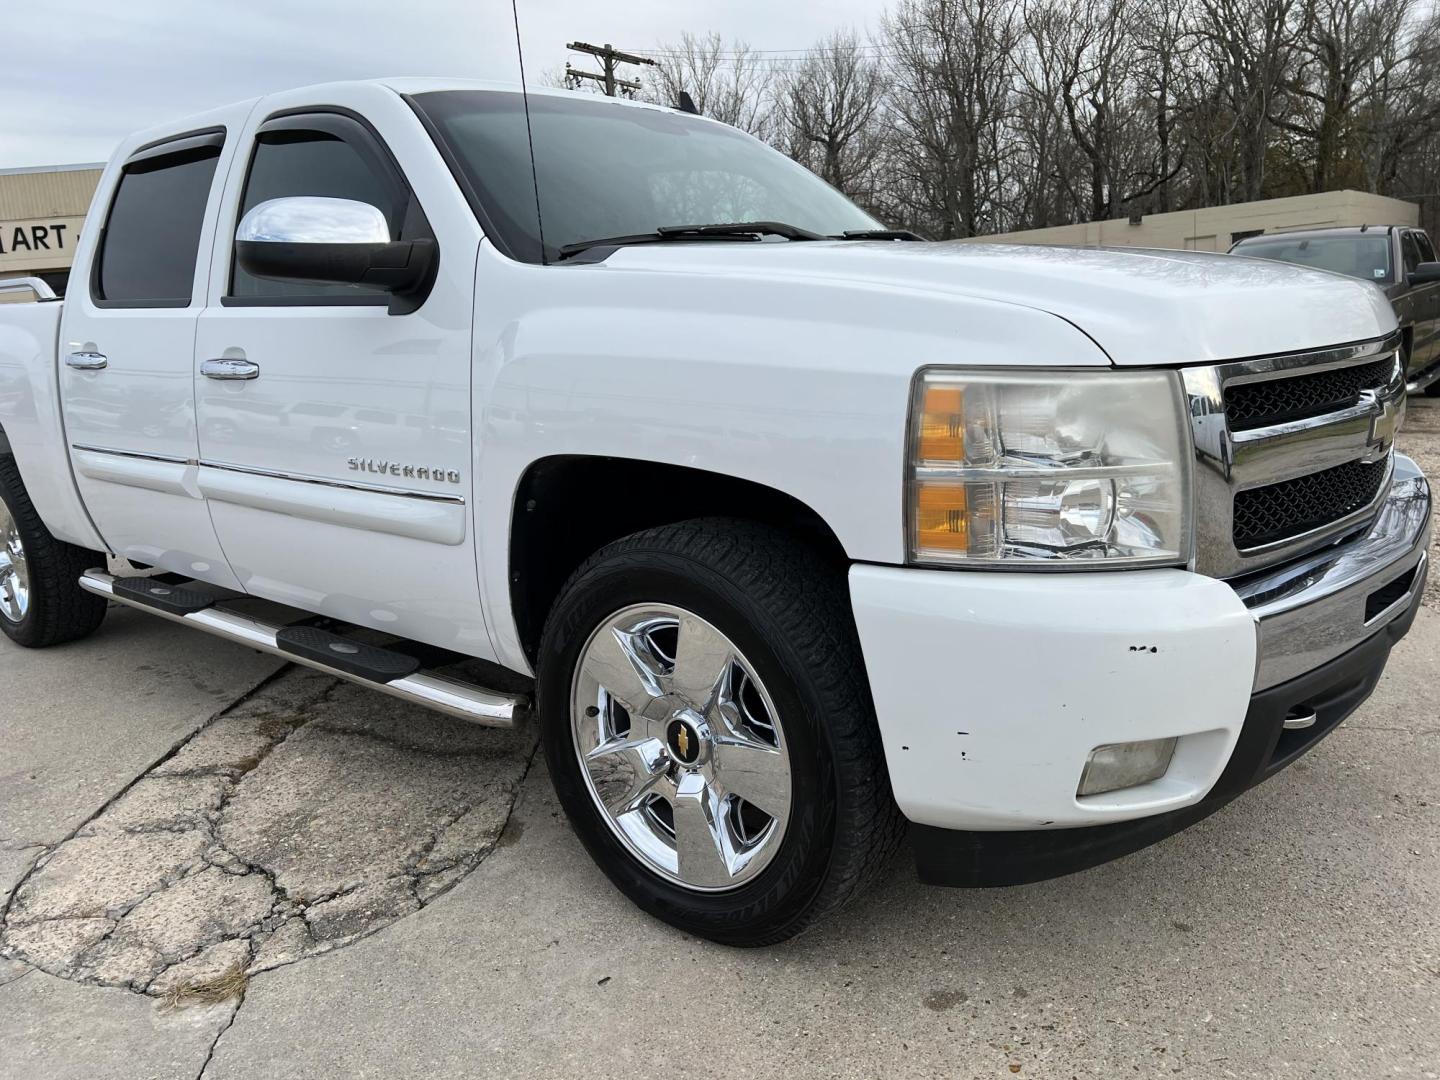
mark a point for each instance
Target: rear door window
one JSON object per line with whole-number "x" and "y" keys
{"x": 148, "y": 250}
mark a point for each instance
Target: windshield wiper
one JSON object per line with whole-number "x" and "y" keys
{"x": 878, "y": 234}
{"x": 740, "y": 228}
{"x": 737, "y": 230}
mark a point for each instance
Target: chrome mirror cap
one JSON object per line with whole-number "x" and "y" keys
{"x": 313, "y": 219}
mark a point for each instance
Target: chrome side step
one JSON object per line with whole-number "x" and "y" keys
{"x": 1423, "y": 379}
{"x": 439, "y": 692}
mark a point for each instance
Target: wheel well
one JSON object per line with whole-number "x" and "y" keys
{"x": 4, "y": 441}
{"x": 567, "y": 508}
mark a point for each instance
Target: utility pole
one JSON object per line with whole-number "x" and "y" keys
{"x": 610, "y": 58}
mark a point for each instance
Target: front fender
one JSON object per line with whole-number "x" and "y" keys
{"x": 796, "y": 385}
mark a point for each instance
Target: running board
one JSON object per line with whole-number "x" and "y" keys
{"x": 439, "y": 692}
{"x": 1422, "y": 380}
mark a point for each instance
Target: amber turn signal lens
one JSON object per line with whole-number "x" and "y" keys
{"x": 942, "y": 424}
{"x": 941, "y": 522}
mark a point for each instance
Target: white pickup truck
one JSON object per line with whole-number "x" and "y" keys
{"x": 793, "y": 529}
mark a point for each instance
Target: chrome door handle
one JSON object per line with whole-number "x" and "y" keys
{"x": 230, "y": 369}
{"x": 87, "y": 361}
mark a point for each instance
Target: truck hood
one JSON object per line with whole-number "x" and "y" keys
{"x": 1142, "y": 307}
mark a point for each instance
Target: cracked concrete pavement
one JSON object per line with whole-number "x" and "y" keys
{"x": 391, "y": 893}
{"x": 70, "y": 743}
{"x": 307, "y": 816}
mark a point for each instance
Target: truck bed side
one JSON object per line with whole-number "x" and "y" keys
{"x": 30, "y": 421}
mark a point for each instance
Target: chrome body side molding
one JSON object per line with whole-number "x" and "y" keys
{"x": 437, "y": 520}
{"x": 436, "y": 517}
{"x": 149, "y": 472}
{"x": 350, "y": 485}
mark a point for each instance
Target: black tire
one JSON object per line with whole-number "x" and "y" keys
{"x": 59, "y": 610}
{"x": 788, "y": 611}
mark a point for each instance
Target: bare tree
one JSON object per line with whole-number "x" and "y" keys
{"x": 731, "y": 84}
{"x": 965, "y": 117}
{"x": 953, "y": 85}
{"x": 1162, "y": 33}
{"x": 1253, "y": 47}
{"x": 828, "y": 109}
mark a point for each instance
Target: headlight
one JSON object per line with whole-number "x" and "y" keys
{"x": 1048, "y": 468}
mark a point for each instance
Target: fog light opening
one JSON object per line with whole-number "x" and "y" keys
{"x": 1128, "y": 764}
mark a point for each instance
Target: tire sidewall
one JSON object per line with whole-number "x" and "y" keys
{"x": 782, "y": 891}
{"x": 26, "y": 631}
{"x": 59, "y": 610}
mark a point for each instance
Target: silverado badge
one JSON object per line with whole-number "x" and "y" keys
{"x": 409, "y": 472}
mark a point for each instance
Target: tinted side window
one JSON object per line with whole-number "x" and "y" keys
{"x": 1427, "y": 252}
{"x": 148, "y": 253}
{"x": 298, "y": 162}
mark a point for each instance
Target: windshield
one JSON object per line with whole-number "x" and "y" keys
{"x": 1359, "y": 255}
{"x": 611, "y": 170}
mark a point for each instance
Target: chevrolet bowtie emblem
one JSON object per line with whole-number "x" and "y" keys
{"x": 683, "y": 741}
{"x": 1384, "y": 423}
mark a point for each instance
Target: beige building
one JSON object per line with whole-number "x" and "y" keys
{"x": 41, "y": 212}
{"x": 1217, "y": 227}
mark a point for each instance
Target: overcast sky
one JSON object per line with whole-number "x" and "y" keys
{"x": 76, "y": 75}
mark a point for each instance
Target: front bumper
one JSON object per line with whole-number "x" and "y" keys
{"x": 992, "y": 688}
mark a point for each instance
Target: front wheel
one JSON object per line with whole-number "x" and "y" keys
{"x": 709, "y": 729}
{"x": 41, "y": 602}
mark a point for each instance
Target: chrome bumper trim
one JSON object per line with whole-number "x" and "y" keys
{"x": 1313, "y": 610}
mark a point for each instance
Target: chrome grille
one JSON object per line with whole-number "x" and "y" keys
{"x": 1291, "y": 451}
{"x": 1277, "y": 511}
{"x": 1258, "y": 404}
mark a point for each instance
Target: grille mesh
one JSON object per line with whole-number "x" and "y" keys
{"x": 1252, "y": 405}
{"x": 1280, "y": 511}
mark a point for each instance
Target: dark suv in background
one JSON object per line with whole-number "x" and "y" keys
{"x": 1398, "y": 259}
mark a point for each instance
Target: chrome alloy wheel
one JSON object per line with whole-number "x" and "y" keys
{"x": 681, "y": 747}
{"x": 14, "y": 570}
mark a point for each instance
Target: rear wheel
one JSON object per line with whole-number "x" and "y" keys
{"x": 41, "y": 602}
{"x": 709, "y": 729}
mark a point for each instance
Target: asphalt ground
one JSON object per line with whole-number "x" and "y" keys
{"x": 216, "y": 865}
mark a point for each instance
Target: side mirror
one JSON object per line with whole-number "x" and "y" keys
{"x": 1424, "y": 274}
{"x": 334, "y": 241}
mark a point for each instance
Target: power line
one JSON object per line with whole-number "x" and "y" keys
{"x": 743, "y": 53}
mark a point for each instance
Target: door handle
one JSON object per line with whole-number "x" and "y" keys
{"x": 230, "y": 369}
{"x": 87, "y": 361}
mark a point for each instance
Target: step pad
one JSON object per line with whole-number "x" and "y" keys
{"x": 157, "y": 593}
{"x": 355, "y": 658}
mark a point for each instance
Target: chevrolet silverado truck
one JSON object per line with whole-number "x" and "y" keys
{"x": 792, "y": 531}
{"x": 1399, "y": 260}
